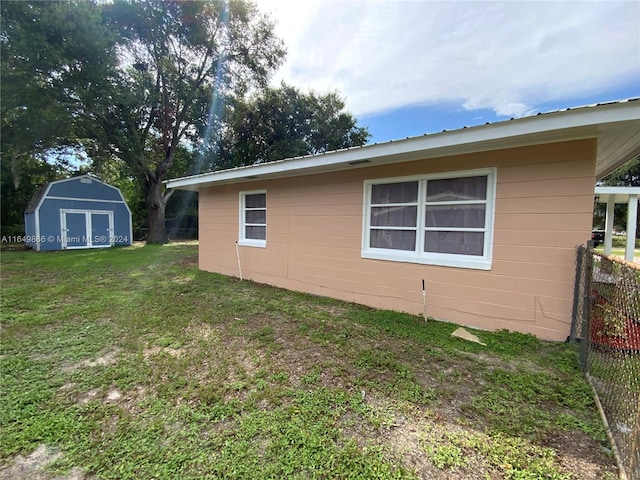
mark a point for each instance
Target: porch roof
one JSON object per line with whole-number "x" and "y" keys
{"x": 617, "y": 194}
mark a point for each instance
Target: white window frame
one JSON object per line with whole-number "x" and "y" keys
{"x": 242, "y": 240}
{"x": 483, "y": 262}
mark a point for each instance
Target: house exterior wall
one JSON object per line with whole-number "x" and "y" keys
{"x": 543, "y": 210}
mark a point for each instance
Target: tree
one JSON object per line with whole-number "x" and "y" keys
{"x": 628, "y": 175}
{"x": 283, "y": 122}
{"x": 18, "y": 187}
{"x": 141, "y": 87}
{"x": 49, "y": 50}
{"x": 178, "y": 59}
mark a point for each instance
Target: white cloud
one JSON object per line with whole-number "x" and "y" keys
{"x": 506, "y": 56}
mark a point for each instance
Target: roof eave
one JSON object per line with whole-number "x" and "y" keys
{"x": 581, "y": 123}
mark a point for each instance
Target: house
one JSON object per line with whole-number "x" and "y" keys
{"x": 611, "y": 196}
{"x": 489, "y": 216}
{"x": 78, "y": 212}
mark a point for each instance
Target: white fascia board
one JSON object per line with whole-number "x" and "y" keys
{"x": 616, "y": 194}
{"x": 617, "y": 190}
{"x": 583, "y": 122}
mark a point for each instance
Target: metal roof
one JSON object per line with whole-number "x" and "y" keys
{"x": 615, "y": 125}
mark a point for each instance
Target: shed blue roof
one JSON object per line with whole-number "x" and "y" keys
{"x": 37, "y": 197}
{"x": 81, "y": 187}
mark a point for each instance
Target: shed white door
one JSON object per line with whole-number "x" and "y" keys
{"x": 86, "y": 228}
{"x": 101, "y": 229}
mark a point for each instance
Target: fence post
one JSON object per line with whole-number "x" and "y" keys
{"x": 573, "y": 334}
{"x": 586, "y": 308}
{"x": 633, "y": 468}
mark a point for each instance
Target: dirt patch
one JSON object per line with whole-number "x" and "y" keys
{"x": 113, "y": 395}
{"x": 188, "y": 261}
{"x": 404, "y": 441}
{"x": 109, "y": 357}
{"x": 88, "y": 396}
{"x": 34, "y": 465}
{"x": 333, "y": 310}
{"x": 155, "y": 350}
{"x": 412, "y": 437}
{"x": 576, "y": 451}
{"x": 202, "y": 331}
{"x": 181, "y": 280}
{"x": 401, "y": 433}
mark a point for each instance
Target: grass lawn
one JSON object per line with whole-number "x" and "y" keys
{"x": 132, "y": 363}
{"x": 618, "y": 252}
{"x": 619, "y": 246}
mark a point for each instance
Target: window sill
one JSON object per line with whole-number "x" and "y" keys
{"x": 442, "y": 260}
{"x": 253, "y": 243}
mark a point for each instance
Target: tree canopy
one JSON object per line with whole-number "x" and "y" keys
{"x": 628, "y": 175}
{"x": 145, "y": 88}
{"x": 278, "y": 123}
{"x": 50, "y": 51}
{"x": 178, "y": 60}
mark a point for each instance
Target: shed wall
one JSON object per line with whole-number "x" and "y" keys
{"x": 544, "y": 205}
{"x": 30, "y": 229}
{"x": 50, "y": 226}
{"x": 82, "y": 194}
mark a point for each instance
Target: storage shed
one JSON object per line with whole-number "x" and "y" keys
{"x": 79, "y": 212}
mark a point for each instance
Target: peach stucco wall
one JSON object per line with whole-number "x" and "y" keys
{"x": 544, "y": 204}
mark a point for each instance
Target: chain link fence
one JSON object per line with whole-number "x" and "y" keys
{"x": 606, "y": 324}
{"x": 140, "y": 234}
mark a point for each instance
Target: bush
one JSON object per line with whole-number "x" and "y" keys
{"x": 620, "y": 241}
{"x": 12, "y": 231}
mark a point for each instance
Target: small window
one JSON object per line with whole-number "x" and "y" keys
{"x": 253, "y": 218}
{"x": 444, "y": 219}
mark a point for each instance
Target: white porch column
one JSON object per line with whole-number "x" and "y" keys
{"x": 608, "y": 225}
{"x": 632, "y": 217}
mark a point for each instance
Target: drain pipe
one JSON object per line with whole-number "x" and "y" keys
{"x": 238, "y": 257}
{"x": 424, "y": 301}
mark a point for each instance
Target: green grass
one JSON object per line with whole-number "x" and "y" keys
{"x": 134, "y": 364}
{"x": 618, "y": 252}
{"x": 619, "y": 245}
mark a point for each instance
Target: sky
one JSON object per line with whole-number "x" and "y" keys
{"x": 406, "y": 68}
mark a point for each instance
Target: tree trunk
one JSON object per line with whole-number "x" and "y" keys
{"x": 155, "y": 208}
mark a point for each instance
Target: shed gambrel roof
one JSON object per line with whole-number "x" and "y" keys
{"x": 42, "y": 192}
{"x": 615, "y": 126}
{"x": 37, "y": 198}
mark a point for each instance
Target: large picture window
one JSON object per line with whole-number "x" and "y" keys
{"x": 434, "y": 219}
{"x": 253, "y": 218}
